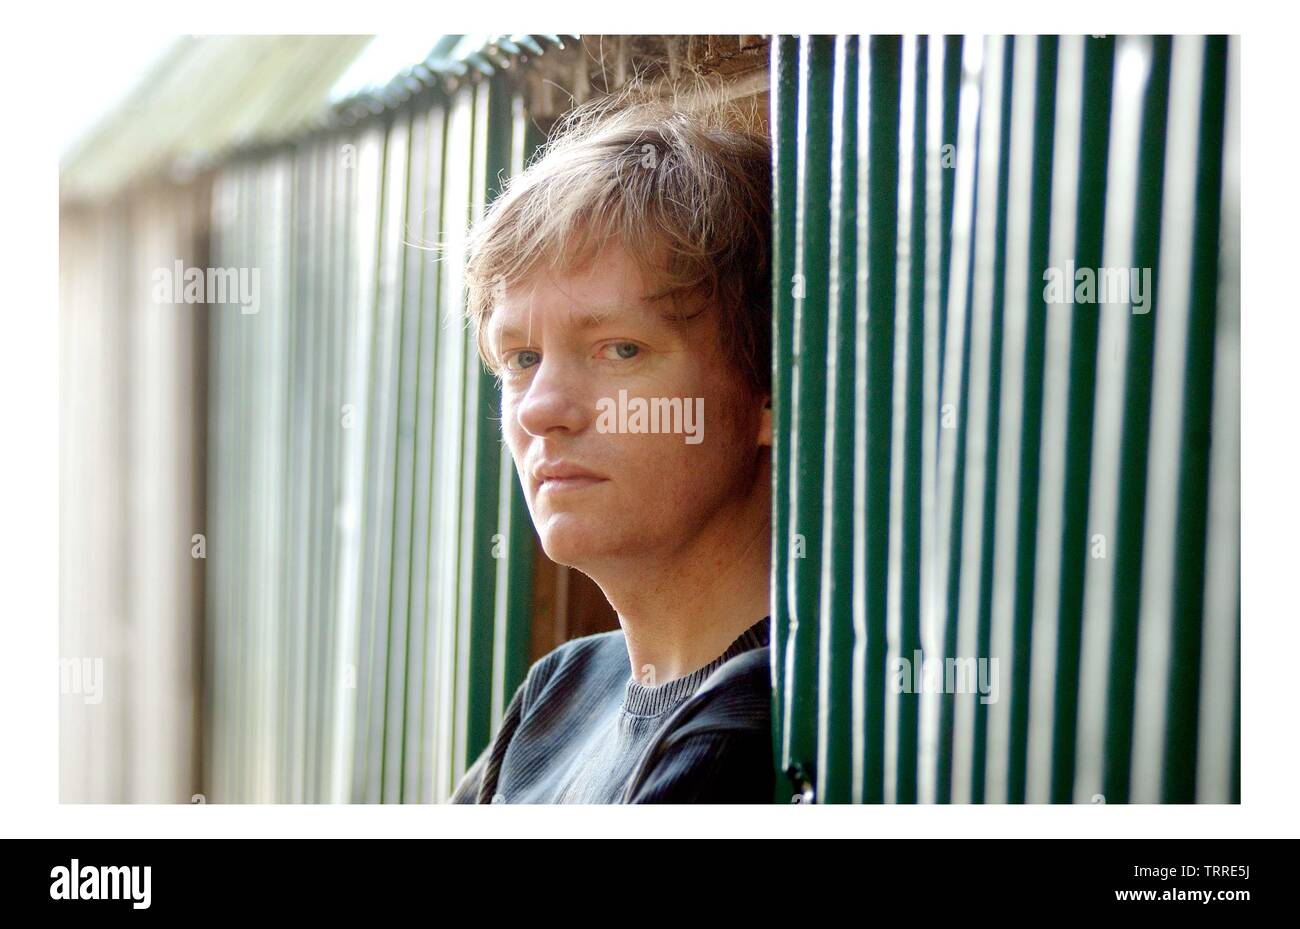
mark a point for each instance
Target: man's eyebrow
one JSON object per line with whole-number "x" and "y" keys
{"x": 585, "y": 319}
{"x": 595, "y": 317}
{"x": 508, "y": 330}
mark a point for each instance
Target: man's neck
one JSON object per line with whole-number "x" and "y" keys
{"x": 680, "y": 613}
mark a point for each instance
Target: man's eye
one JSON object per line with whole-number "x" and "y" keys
{"x": 623, "y": 350}
{"x": 522, "y": 359}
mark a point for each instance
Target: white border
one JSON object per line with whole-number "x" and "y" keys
{"x": 28, "y": 373}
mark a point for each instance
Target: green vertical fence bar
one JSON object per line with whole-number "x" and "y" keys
{"x": 1179, "y": 781}
{"x": 808, "y": 406}
{"x": 1024, "y": 437}
{"x": 877, "y": 256}
{"x": 1026, "y": 519}
{"x": 1135, "y": 432}
{"x": 946, "y": 156}
{"x": 784, "y": 130}
{"x": 1098, "y": 74}
{"x": 913, "y": 207}
{"x": 954, "y": 380}
{"x": 967, "y": 548}
{"x": 983, "y": 631}
{"x": 944, "y": 68}
{"x": 1218, "y": 756}
{"x": 836, "y": 694}
{"x": 969, "y": 625}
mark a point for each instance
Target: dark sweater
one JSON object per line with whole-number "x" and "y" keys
{"x": 582, "y": 729}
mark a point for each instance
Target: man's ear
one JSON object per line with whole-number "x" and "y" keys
{"x": 765, "y": 422}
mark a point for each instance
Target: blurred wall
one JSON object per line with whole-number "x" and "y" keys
{"x": 133, "y": 375}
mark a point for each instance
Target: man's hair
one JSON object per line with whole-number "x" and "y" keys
{"x": 683, "y": 181}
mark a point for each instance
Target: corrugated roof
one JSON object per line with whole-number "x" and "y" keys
{"x": 210, "y": 96}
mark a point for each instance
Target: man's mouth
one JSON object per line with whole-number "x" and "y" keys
{"x": 565, "y": 484}
{"x": 563, "y": 477}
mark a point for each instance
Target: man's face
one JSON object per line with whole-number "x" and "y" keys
{"x": 580, "y": 354}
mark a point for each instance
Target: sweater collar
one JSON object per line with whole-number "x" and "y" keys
{"x": 653, "y": 700}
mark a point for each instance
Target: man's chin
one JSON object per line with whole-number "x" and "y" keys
{"x": 574, "y": 540}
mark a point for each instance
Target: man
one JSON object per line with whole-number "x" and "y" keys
{"x": 620, "y": 290}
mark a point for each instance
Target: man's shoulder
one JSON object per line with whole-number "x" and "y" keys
{"x": 601, "y": 654}
{"x": 737, "y": 695}
{"x": 748, "y": 672}
{"x": 596, "y": 647}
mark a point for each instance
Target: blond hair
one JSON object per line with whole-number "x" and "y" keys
{"x": 682, "y": 180}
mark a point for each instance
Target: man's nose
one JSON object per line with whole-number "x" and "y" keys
{"x": 554, "y": 401}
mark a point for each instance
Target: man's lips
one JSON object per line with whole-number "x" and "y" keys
{"x": 555, "y": 484}
{"x": 562, "y": 476}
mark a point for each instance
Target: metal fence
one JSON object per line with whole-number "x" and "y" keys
{"x": 967, "y": 469}
{"x": 370, "y": 552}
